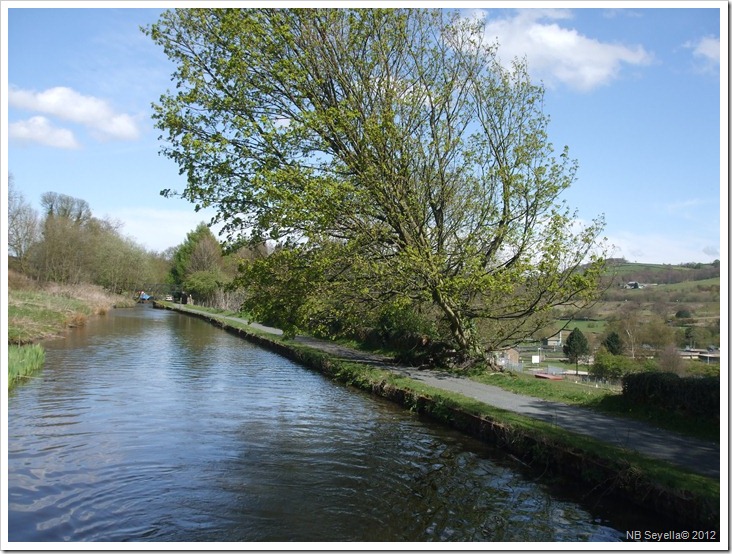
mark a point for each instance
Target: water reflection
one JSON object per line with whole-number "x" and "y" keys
{"x": 149, "y": 425}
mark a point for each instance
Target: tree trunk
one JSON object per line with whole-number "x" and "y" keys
{"x": 469, "y": 351}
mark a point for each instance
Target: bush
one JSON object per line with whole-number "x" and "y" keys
{"x": 609, "y": 366}
{"x": 692, "y": 396}
{"x": 683, "y": 313}
{"x": 400, "y": 326}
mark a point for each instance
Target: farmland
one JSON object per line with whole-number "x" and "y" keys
{"x": 666, "y": 291}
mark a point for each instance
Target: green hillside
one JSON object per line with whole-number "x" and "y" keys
{"x": 621, "y": 271}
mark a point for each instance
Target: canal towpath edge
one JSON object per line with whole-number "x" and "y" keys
{"x": 694, "y": 455}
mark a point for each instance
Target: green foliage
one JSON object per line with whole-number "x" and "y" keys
{"x": 199, "y": 252}
{"x": 683, "y": 313}
{"x": 613, "y": 343}
{"x": 576, "y": 346}
{"x": 400, "y": 323}
{"x": 611, "y": 366}
{"x": 655, "y": 333}
{"x": 389, "y": 147}
{"x": 23, "y": 361}
{"x": 699, "y": 337}
{"x": 200, "y": 267}
{"x": 74, "y": 247}
{"x": 667, "y": 391}
{"x": 203, "y": 284}
{"x": 696, "y": 368}
{"x": 279, "y": 288}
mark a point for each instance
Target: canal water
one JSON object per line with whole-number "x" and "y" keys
{"x": 148, "y": 425}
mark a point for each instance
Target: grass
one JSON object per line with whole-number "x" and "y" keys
{"x": 600, "y": 399}
{"x": 23, "y": 361}
{"x": 701, "y": 284}
{"x": 564, "y": 391}
{"x": 36, "y": 313}
{"x": 586, "y": 326}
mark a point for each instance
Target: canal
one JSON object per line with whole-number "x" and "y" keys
{"x": 148, "y": 425}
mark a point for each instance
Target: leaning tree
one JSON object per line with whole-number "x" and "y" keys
{"x": 390, "y": 147}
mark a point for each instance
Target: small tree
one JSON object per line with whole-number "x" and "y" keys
{"x": 608, "y": 365}
{"x": 576, "y": 347}
{"x": 627, "y": 322}
{"x": 670, "y": 361}
{"x": 23, "y": 224}
{"x": 613, "y": 343}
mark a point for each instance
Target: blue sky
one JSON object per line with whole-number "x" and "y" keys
{"x": 634, "y": 92}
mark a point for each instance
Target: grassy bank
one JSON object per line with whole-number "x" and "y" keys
{"x": 681, "y": 495}
{"x": 23, "y": 361}
{"x": 602, "y": 400}
{"x": 39, "y": 312}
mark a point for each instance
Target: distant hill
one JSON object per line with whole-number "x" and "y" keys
{"x": 620, "y": 271}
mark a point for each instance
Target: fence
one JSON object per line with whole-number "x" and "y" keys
{"x": 582, "y": 379}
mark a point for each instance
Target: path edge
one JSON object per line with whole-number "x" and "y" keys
{"x": 599, "y": 476}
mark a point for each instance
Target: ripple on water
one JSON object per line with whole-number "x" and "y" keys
{"x": 160, "y": 427}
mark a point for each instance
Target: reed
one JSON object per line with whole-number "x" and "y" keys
{"x": 23, "y": 361}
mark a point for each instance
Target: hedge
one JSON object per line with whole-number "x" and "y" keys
{"x": 698, "y": 396}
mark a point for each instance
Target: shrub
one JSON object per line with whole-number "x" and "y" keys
{"x": 693, "y": 396}
{"x": 609, "y": 366}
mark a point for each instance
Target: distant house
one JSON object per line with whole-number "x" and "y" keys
{"x": 554, "y": 341}
{"x": 633, "y": 285}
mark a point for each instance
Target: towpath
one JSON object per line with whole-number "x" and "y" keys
{"x": 698, "y": 456}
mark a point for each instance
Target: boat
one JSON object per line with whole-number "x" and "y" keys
{"x": 548, "y": 376}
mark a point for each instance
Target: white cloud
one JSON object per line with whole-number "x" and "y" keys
{"x": 39, "y": 130}
{"x": 67, "y": 104}
{"x": 706, "y": 48}
{"x": 559, "y": 54}
{"x": 689, "y": 209}
{"x": 706, "y": 51}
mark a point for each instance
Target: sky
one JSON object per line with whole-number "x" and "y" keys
{"x": 633, "y": 89}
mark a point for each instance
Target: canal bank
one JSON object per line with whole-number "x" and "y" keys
{"x": 600, "y": 466}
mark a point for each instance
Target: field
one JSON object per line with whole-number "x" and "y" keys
{"x": 667, "y": 291}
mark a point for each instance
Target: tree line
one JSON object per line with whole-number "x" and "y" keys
{"x": 66, "y": 243}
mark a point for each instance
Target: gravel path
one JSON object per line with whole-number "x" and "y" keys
{"x": 698, "y": 456}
